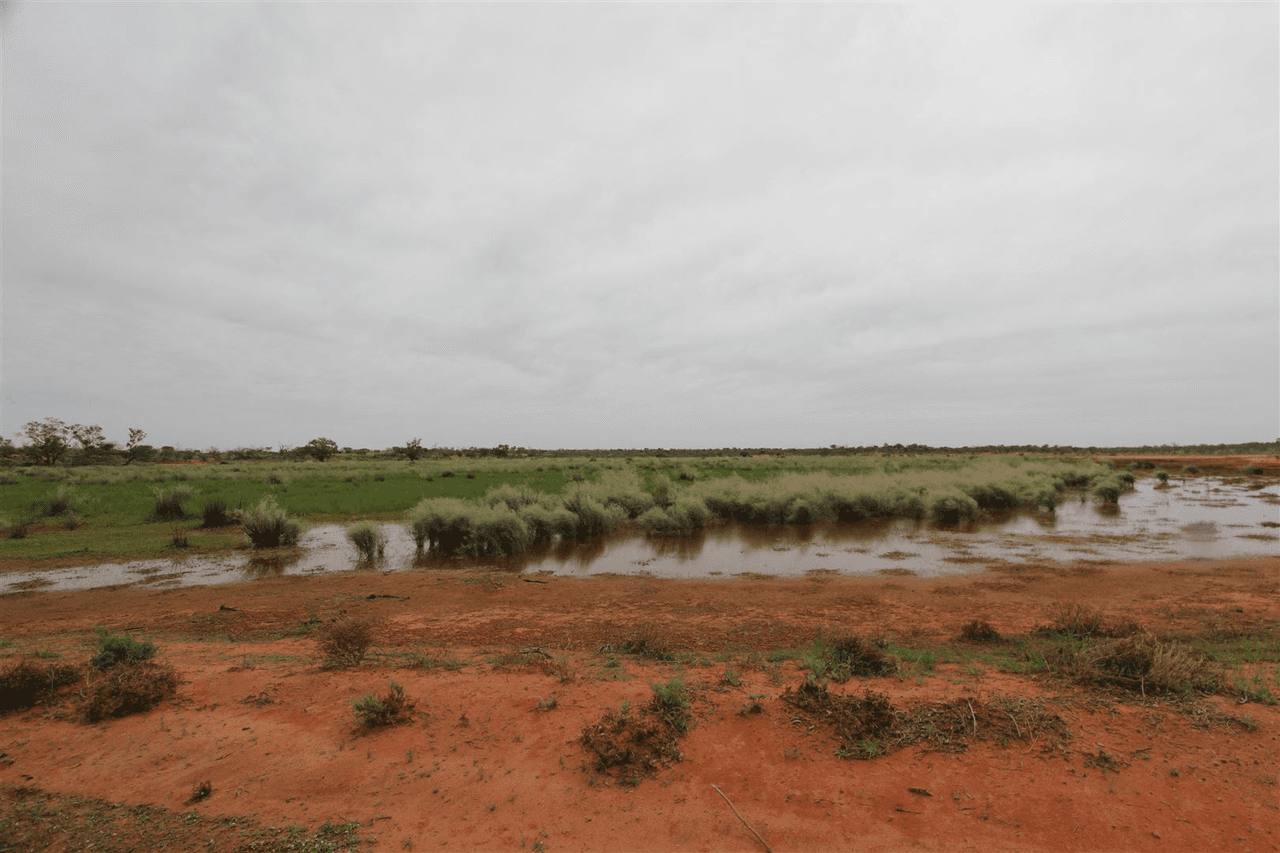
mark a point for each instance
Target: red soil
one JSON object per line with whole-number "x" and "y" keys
{"x": 482, "y": 767}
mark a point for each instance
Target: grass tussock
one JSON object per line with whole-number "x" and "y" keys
{"x": 344, "y": 644}
{"x": 1144, "y": 663}
{"x": 979, "y": 631}
{"x": 369, "y": 540}
{"x": 215, "y": 513}
{"x": 1081, "y": 621}
{"x": 269, "y": 526}
{"x": 169, "y": 503}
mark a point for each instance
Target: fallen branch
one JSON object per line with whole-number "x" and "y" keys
{"x": 744, "y": 821}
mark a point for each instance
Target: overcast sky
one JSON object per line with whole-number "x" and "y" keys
{"x": 643, "y": 225}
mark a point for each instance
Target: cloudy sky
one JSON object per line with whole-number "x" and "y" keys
{"x": 643, "y": 225}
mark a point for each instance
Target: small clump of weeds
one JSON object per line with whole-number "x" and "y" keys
{"x": 118, "y": 649}
{"x": 843, "y": 656}
{"x": 979, "y": 631}
{"x": 630, "y": 745}
{"x": 370, "y": 543}
{"x": 388, "y": 709}
{"x": 1079, "y": 620}
{"x": 1253, "y": 470}
{"x": 646, "y": 641}
{"x": 200, "y": 791}
{"x": 179, "y": 539}
{"x": 345, "y": 643}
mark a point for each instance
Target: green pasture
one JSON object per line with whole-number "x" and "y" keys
{"x": 106, "y": 512}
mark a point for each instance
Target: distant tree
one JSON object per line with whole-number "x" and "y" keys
{"x": 413, "y": 449}
{"x": 321, "y": 448}
{"x": 94, "y": 447}
{"x": 133, "y": 447}
{"x": 47, "y": 441}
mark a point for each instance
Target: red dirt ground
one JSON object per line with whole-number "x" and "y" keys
{"x": 482, "y": 767}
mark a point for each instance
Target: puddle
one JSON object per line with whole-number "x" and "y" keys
{"x": 1205, "y": 518}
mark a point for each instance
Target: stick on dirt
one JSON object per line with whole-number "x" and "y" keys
{"x": 744, "y": 821}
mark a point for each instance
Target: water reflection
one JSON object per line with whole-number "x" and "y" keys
{"x": 1205, "y": 518}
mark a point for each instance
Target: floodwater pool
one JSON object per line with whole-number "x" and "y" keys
{"x": 1197, "y": 518}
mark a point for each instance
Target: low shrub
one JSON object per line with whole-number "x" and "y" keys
{"x": 267, "y": 525}
{"x": 215, "y": 513}
{"x": 168, "y": 503}
{"x": 345, "y": 643}
{"x": 128, "y": 688}
{"x": 118, "y": 649}
{"x": 979, "y": 631}
{"x": 547, "y": 520}
{"x": 25, "y": 684}
{"x": 368, "y": 539}
{"x": 386, "y": 710}
{"x": 1253, "y": 470}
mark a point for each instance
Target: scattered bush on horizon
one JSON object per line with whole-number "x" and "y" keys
{"x": 370, "y": 543}
{"x": 267, "y": 525}
{"x": 168, "y": 503}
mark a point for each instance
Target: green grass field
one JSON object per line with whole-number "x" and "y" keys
{"x": 107, "y": 512}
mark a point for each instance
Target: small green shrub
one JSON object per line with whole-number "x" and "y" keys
{"x": 168, "y": 503}
{"x": 386, "y": 710}
{"x": 345, "y": 643}
{"x": 671, "y": 703}
{"x": 1162, "y": 476}
{"x": 118, "y": 649}
{"x": 1253, "y": 470}
{"x": 368, "y": 539}
{"x": 267, "y": 525}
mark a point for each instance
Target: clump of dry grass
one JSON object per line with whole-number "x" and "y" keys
{"x": 979, "y": 631}
{"x": 1080, "y": 620}
{"x": 1144, "y": 662}
{"x": 26, "y": 684}
{"x": 345, "y": 643}
{"x": 129, "y": 687}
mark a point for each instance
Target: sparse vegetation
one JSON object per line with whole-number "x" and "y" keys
{"x": 388, "y": 709}
{"x": 345, "y": 643}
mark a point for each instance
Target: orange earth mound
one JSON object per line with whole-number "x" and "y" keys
{"x": 489, "y": 762}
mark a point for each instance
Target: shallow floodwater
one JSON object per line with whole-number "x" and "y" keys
{"x": 1205, "y": 518}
